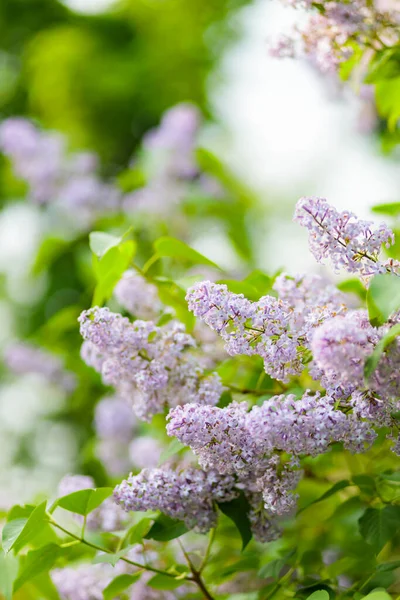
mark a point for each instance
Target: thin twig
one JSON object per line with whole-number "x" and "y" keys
{"x": 107, "y": 551}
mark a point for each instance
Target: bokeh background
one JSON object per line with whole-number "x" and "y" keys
{"x": 103, "y": 73}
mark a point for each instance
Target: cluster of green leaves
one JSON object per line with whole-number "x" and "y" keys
{"x": 383, "y": 73}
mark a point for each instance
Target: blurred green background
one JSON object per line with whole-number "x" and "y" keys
{"x": 106, "y": 78}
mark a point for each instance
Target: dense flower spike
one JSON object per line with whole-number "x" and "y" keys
{"x": 279, "y": 330}
{"x": 21, "y": 358}
{"x": 348, "y": 242}
{"x": 247, "y": 327}
{"x": 187, "y": 496}
{"x": 150, "y": 366}
{"x": 232, "y": 440}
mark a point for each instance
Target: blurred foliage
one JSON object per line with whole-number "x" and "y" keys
{"x": 105, "y": 79}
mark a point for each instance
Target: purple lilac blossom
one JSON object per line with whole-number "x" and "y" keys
{"x": 328, "y": 37}
{"x": 187, "y": 495}
{"x": 348, "y": 242}
{"x": 232, "y": 440}
{"x": 150, "y": 366}
{"x": 341, "y": 345}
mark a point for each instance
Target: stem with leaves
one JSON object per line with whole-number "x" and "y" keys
{"x": 195, "y": 577}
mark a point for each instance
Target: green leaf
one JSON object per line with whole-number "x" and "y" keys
{"x": 339, "y": 485}
{"x": 379, "y": 525}
{"x": 84, "y": 501}
{"x": 11, "y": 531}
{"x": 175, "y": 447}
{"x": 165, "y": 529}
{"x": 111, "y": 558}
{"x": 110, "y": 268}
{"x": 139, "y": 530}
{"x": 260, "y": 281}
{"x": 384, "y": 65}
{"x": 118, "y": 585}
{"x": 8, "y": 573}
{"x": 18, "y": 532}
{"x": 378, "y": 595}
{"x": 101, "y": 242}
{"x": 272, "y": 569}
{"x": 387, "y": 208}
{"x": 241, "y": 287}
{"x": 390, "y": 566}
{"x": 50, "y": 249}
{"x": 173, "y": 295}
{"x": 237, "y": 510}
{"x": 387, "y": 95}
{"x": 32, "y": 528}
{"x": 20, "y": 512}
{"x": 38, "y": 561}
{"x": 383, "y": 298}
{"x": 365, "y": 483}
{"x": 372, "y": 361}
{"x": 353, "y": 286}
{"x": 319, "y": 595}
{"x": 169, "y": 246}
{"x": 163, "y": 582}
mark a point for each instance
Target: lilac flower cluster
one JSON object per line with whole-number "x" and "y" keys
{"x": 232, "y": 440}
{"x": 341, "y": 345}
{"x": 329, "y": 36}
{"x": 137, "y": 296}
{"x": 107, "y": 517}
{"x": 348, "y": 242}
{"x": 150, "y": 366}
{"x": 277, "y": 329}
{"x": 53, "y": 175}
{"x": 22, "y": 358}
{"x": 248, "y": 444}
{"x": 187, "y": 495}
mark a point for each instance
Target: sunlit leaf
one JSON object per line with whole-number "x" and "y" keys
{"x": 174, "y": 248}
{"x": 372, "y": 361}
{"x": 84, "y": 502}
{"x": 383, "y": 298}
